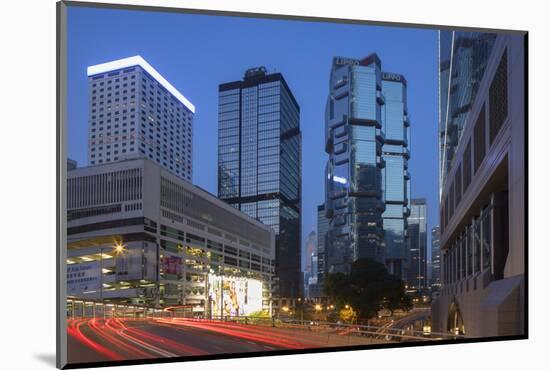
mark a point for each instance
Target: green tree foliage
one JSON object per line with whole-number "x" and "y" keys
{"x": 263, "y": 314}
{"x": 367, "y": 289}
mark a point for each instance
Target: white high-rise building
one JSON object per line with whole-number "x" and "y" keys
{"x": 135, "y": 113}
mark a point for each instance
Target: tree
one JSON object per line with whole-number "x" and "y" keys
{"x": 367, "y": 289}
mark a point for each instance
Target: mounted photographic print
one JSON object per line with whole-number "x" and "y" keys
{"x": 235, "y": 185}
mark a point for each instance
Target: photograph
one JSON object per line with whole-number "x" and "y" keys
{"x": 243, "y": 184}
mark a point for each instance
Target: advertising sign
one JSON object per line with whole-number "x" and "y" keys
{"x": 171, "y": 265}
{"x": 234, "y": 296}
{"x": 83, "y": 278}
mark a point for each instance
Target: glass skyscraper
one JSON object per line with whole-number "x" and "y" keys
{"x": 417, "y": 240}
{"x": 463, "y": 58}
{"x": 395, "y": 174}
{"x": 259, "y": 163}
{"x": 367, "y": 180}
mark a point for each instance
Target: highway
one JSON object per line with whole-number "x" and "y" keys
{"x": 112, "y": 339}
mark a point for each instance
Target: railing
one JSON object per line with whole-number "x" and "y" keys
{"x": 330, "y": 328}
{"x": 78, "y": 308}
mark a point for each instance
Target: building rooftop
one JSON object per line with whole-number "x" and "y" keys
{"x": 139, "y": 61}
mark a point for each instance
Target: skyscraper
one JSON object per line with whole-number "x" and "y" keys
{"x": 482, "y": 184}
{"x": 135, "y": 113}
{"x": 322, "y": 229}
{"x": 395, "y": 174}
{"x": 309, "y": 256}
{"x": 436, "y": 260}
{"x": 259, "y": 163}
{"x": 367, "y": 179}
{"x": 353, "y": 140}
{"x": 417, "y": 241}
{"x": 310, "y": 250}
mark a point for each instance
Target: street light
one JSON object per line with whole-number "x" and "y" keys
{"x": 347, "y": 307}
{"x": 119, "y": 247}
{"x": 318, "y": 307}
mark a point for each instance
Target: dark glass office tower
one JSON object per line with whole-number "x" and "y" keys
{"x": 395, "y": 174}
{"x": 354, "y": 138}
{"x": 259, "y": 163}
{"x": 417, "y": 240}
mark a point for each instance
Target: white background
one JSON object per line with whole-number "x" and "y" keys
{"x": 28, "y": 182}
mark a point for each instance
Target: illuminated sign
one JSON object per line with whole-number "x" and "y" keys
{"x": 341, "y": 180}
{"x": 139, "y": 61}
{"x": 83, "y": 278}
{"x": 392, "y": 77}
{"x": 340, "y": 61}
{"x": 234, "y": 296}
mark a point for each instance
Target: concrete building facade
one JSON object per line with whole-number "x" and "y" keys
{"x": 139, "y": 234}
{"x": 482, "y": 184}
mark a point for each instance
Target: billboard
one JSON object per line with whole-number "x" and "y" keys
{"x": 83, "y": 278}
{"x": 234, "y": 296}
{"x": 172, "y": 265}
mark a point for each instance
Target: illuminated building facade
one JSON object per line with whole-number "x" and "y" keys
{"x": 139, "y": 234}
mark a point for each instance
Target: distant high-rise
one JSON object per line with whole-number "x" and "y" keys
{"x": 311, "y": 248}
{"x": 354, "y": 200}
{"x": 436, "y": 260}
{"x": 417, "y": 242}
{"x": 259, "y": 163}
{"x": 322, "y": 229}
{"x": 310, "y": 256}
{"x": 135, "y": 113}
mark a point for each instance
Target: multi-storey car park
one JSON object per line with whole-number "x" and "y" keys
{"x": 139, "y": 234}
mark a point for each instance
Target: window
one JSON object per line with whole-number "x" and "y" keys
{"x": 477, "y": 245}
{"x": 486, "y": 223}
{"x": 498, "y": 98}
{"x": 458, "y": 185}
{"x": 479, "y": 139}
{"x": 468, "y": 247}
{"x": 467, "y": 166}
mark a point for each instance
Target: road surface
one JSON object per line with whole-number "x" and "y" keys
{"x": 95, "y": 340}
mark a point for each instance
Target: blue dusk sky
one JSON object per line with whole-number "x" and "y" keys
{"x": 198, "y": 52}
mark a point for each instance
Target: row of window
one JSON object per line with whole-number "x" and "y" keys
{"x": 473, "y": 157}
